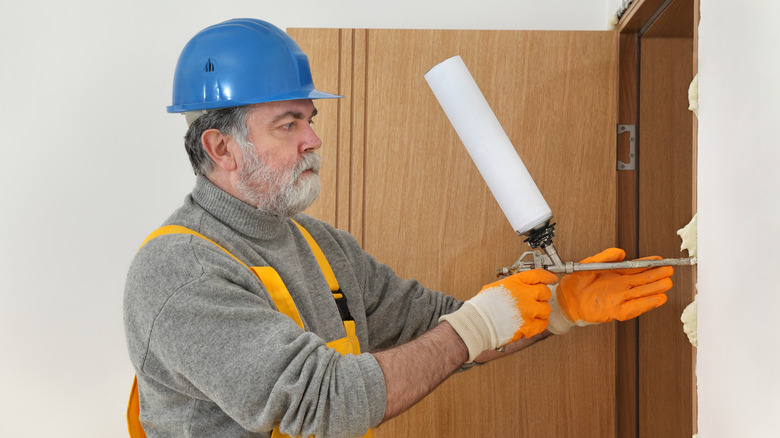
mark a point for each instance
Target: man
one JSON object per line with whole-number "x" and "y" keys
{"x": 245, "y": 317}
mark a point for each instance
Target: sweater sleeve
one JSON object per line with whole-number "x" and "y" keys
{"x": 209, "y": 331}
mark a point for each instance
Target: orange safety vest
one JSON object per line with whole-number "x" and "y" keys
{"x": 282, "y": 299}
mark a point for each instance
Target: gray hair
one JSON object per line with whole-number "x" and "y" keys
{"x": 229, "y": 121}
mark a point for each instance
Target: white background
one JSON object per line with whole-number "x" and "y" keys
{"x": 92, "y": 163}
{"x": 739, "y": 229}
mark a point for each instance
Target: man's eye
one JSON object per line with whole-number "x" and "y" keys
{"x": 289, "y": 126}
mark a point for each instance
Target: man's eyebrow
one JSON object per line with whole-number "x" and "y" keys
{"x": 294, "y": 114}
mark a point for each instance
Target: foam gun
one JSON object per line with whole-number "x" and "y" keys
{"x": 506, "y": 175}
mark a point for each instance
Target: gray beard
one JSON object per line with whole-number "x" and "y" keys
{"x": 284, "y": 191}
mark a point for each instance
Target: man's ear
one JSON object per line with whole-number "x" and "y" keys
{"x": 216, "y": 145}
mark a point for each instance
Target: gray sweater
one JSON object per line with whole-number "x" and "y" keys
{"x": 214, "y": 357}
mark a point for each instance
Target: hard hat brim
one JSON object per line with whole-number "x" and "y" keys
{"x": 312, "y": 94}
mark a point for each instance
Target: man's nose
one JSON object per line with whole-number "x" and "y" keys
{"x": 311, "y": 140}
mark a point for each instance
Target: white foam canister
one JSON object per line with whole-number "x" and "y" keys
{"x": 488, "y": 145}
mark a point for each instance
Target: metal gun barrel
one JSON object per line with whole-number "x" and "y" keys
{"x": 628, "y": 264}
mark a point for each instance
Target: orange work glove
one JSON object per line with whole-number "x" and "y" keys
{"x": 504, "y": 311}
{"x": 589, "y": 297}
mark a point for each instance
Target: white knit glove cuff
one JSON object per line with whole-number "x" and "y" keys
{"x": 559, "y": 323}
{"x": 471, "y": 327}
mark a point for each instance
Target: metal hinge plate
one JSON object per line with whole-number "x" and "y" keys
{"x": 631, "y": 130}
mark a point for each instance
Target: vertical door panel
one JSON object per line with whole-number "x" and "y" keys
{"x": 666, "y": 388}
{"x": 430, "y": 216}
{"x": 664, "y": 34}
{"x": 627, "y": 201}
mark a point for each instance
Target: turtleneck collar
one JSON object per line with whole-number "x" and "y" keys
{"x": 236, "y": 214}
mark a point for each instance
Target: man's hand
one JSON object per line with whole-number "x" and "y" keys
{"x": 589, "y": 297}
{"x": 504, "y": 311}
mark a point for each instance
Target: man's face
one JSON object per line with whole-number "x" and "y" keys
{"x": 278, "y": 168}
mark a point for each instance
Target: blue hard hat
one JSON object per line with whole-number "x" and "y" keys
{"x": 240, "y": 62}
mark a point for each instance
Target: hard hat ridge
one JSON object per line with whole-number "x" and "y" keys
{"x": 241, "y": 62}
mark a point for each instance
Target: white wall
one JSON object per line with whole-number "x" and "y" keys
{"x": 92, "y": 163}
{"x": 739, "y": 229}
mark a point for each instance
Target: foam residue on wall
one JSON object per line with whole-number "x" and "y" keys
{"x": 623, "y": 7}
{"x": 688, "y": 235}
{"x": 689, "y": 319}
{"x": 693, "y": 95}
{"x": 612, "y": 22}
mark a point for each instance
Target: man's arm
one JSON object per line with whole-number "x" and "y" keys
{"x": 501, "y": 313}
{"x": 416, "y": 368}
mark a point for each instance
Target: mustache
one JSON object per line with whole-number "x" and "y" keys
{"x": 309, "y": 161}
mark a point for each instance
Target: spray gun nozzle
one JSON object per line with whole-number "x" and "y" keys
{"x": 541, "y": 236}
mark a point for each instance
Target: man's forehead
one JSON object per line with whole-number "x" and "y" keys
{"x": 302, "y": 108}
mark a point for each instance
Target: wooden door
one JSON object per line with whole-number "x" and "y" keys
{"x": 658, "y": 39}
{"x": 406, "y": 188}
{"x": 667, "y": 380}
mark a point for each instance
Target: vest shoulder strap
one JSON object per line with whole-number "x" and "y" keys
{"x": 321, "y": 260}
{"x": 178, "y": 229}
{"x": 315, "y": 248}
{"x": 268, "y": 275}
